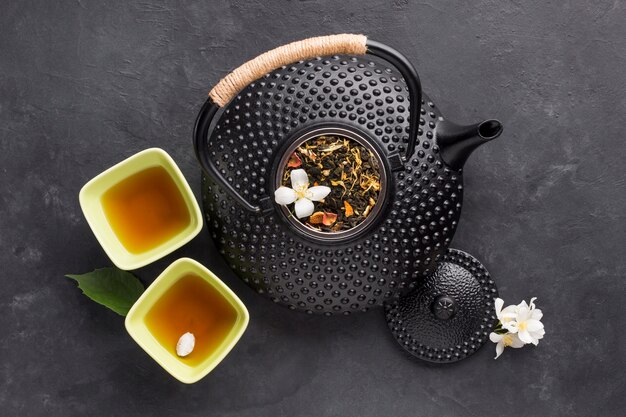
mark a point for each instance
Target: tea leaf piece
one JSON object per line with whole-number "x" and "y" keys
{"x": 332, "y": 147}
{"x": 111, "y": 287}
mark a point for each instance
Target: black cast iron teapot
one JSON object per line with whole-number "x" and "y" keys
{"x": 368, "y": 92}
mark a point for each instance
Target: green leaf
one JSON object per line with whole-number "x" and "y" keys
{"x": 111, "y": 287}
{"x": 499, "y": 329}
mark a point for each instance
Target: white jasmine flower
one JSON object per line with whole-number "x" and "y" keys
{"x": 527, "y": 323}
{"x": 506, "y": 315}
{"x": 518, "y": 325}
{"x": 505, "y": 340}
{"x": 301, "y": 194}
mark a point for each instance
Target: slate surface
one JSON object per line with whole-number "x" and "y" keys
{"x": 84, "y": 84}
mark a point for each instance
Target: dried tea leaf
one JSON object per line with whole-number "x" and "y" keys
{"x": 332, "y": 147}
{"x": 357, "y": 156}
{"x": 337, "y": 227}
{"x": 308, "y": 153}
{"x": 349, "y": 209}
{"x": 340, "y": 183}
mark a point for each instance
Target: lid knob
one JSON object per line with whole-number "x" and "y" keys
{"x": 444, "y": 307}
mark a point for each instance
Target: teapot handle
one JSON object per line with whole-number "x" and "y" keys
{"x": 305, "y": 49}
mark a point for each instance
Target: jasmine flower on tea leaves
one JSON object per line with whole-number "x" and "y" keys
{"x": 301, "y": 193}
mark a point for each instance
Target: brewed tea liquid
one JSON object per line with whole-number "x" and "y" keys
{"x": 191, "y": 305}
{"x": 146, "y": 209}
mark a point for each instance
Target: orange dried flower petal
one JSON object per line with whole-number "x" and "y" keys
{"x": 317, "y": 217}
{"x": 349, "y": 209}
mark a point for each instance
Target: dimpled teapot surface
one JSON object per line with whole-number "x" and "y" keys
{"x": 373, "y": 97}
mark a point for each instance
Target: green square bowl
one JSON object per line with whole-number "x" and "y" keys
{"x": 136, "y": 326}
{"x": 90, "y": 198}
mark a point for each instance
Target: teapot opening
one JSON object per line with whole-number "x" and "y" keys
{"x": 341, "y": 175}
{"x": 457, "y": 142}
{"x": 490, "y": 129}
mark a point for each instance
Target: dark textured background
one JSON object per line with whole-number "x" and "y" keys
{"x": 84, "y": 84}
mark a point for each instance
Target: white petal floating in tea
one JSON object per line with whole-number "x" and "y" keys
{"x": 185, "y": 344}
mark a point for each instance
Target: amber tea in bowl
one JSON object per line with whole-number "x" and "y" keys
{"x": 146, "y": 209}
{"x": 141, "y": 209}
{"x": 187, "y": 298}
{"x": 195, "y": 306}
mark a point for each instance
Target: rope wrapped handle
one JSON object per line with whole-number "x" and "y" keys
{"x": 237, "y": 80}
{"x": 254, "y": 69}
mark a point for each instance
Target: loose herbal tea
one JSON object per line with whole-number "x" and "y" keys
{"x": 349, "y": 169}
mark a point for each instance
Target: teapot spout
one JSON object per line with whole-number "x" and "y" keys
{"x": 456, "y": 142}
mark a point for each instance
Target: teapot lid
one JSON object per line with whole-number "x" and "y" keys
{"x": 450, "y": 314}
